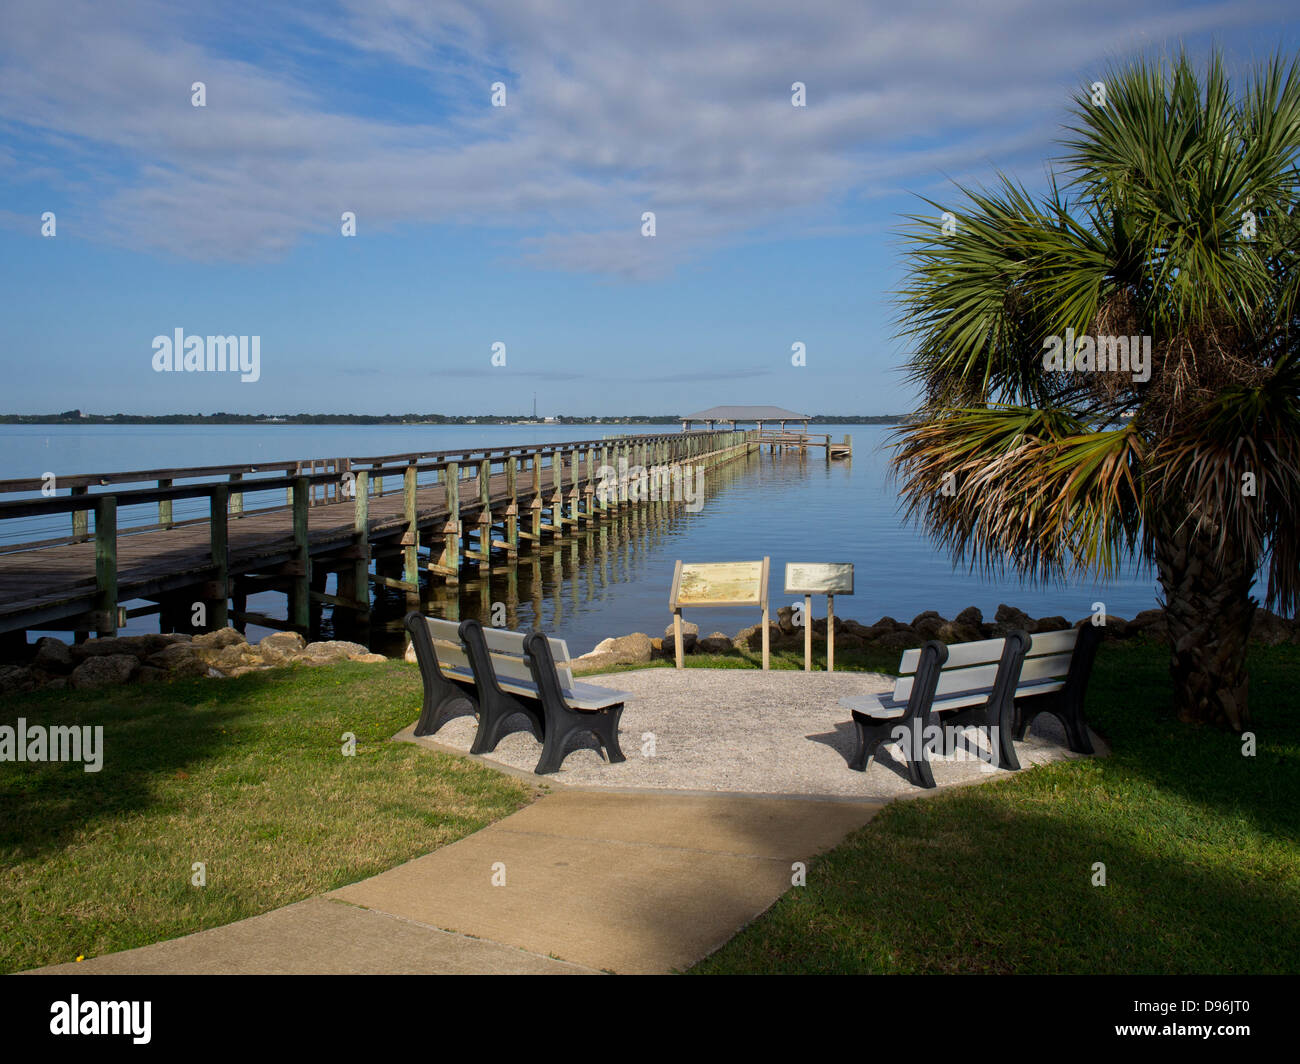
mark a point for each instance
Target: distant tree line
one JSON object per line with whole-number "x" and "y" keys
{"x": 221, "y": 418}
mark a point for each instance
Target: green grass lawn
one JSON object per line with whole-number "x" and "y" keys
{"x": 245, "y": 775}
{"x": 1201, "y": 848}
{"x": 1201, "y": 845}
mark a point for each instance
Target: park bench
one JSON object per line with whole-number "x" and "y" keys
{"x": 511, "y": 672}
{"x": 970, "y": 683}
{"x": 448, "y": 676}
{"x": 1054, "y": 680}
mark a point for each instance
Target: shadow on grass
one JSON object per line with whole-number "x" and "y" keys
{"x": 150, "y": 733}
{"x": 974, "y": 883}
{"x": 1130, "y": 702}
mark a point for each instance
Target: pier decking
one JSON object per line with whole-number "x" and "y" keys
{"x": 404, "y": 522}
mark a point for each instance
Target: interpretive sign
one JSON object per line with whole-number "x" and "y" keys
{"x": 718, "y": 584}
{"x": 819, "y": 578}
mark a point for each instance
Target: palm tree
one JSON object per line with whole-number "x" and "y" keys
{"x": 1175, "y": 224}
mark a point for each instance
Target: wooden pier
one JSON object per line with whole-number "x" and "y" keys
{"x": 776, "y": 440}
{"x": 408, "y": 523}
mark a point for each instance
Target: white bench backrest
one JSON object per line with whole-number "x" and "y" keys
{"x": 974, "y": 666}
{"x": 1049, "y": 654}
{"x": 505, "y": 648}
{"x": 446, "y": 642}
{"x": 970, "y": 667}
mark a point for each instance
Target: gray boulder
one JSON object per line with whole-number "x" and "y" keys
{"x": 717, "y": 643}
{"x": 280, "y": 648}
{"x": 690, "y": 633}
{"x": 104, "y": 670}
{"x": 634, "y": 649}
{"x": 218, "y": 640}
{"x": 53, "y": 655}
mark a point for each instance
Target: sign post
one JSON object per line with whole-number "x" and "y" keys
{"x": 719, "y": 584}
{"x": 819, "y": 578}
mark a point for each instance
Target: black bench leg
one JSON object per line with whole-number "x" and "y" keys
{"x": 439, "y": 709}
{"x": 869, "y": 737}
{"x": 1071, "y": 718}
{"x": 1006, "y": 746}
{"x": 496, "y": 711}
{"x": 1076, "y": 732}
{"x": 492, "y": 729}
{"x": 561, "y": 725}
{"x": 553, "y": 748}
{"x": 606, "y": 731}
{"x": 872, "y": 734}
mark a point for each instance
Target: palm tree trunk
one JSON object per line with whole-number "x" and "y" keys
{"x": 1209, "y": 612}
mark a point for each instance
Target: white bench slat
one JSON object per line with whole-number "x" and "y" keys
{"x": 959, "y": 655}
{"x": 1041, "y": 687}
{"x": 593, "y": 696}
{"x": 447, "y": 631}
{"x": 504, "y": 641}
{"x": 981, "y": 677}
{"x": 1044, "y": 668}
{"x": 874, "y": 706}
{"x": 451, "y": 655}
{"x": 506, "y": 652}
{"x": 1061, "y": 642}
{"x": 952, "y": 681}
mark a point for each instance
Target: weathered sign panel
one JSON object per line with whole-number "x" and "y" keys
{"x": 719, "y": 584}
{"x": 819, "y": 578}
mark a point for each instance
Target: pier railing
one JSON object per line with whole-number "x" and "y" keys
{"x": 330, "y": 479}
{"x": 552, "y": 469}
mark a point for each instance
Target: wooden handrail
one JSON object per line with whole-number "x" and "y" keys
{"x": 85, "y": 480}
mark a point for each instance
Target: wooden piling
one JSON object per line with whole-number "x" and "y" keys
{"x": 218, "y": 539}
{"x": 106, "y": 565}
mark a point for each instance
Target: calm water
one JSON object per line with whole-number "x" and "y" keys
{"x": 791, "y": 509}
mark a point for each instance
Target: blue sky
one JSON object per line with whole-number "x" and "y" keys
{"x": 519, "y": 224}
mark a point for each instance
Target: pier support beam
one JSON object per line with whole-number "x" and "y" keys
{"x": 106, "y": 565}
{"x": 300, "y": 580}
{"x": 218, "y": 536}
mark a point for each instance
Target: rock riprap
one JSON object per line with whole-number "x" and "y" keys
{"x": 116, "y": 660}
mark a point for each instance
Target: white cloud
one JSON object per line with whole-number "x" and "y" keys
{"x": 678, "y": 107}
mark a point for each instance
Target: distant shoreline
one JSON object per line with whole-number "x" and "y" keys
{"x": 78, "y": 418}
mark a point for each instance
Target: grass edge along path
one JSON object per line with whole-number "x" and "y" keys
{"x": 1200, "y": 847}
{"x": 1200, "y": 844}
{"x": 246, "y": 776}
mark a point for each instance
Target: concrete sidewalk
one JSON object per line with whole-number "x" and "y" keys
{"x": 593, "y": 881}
